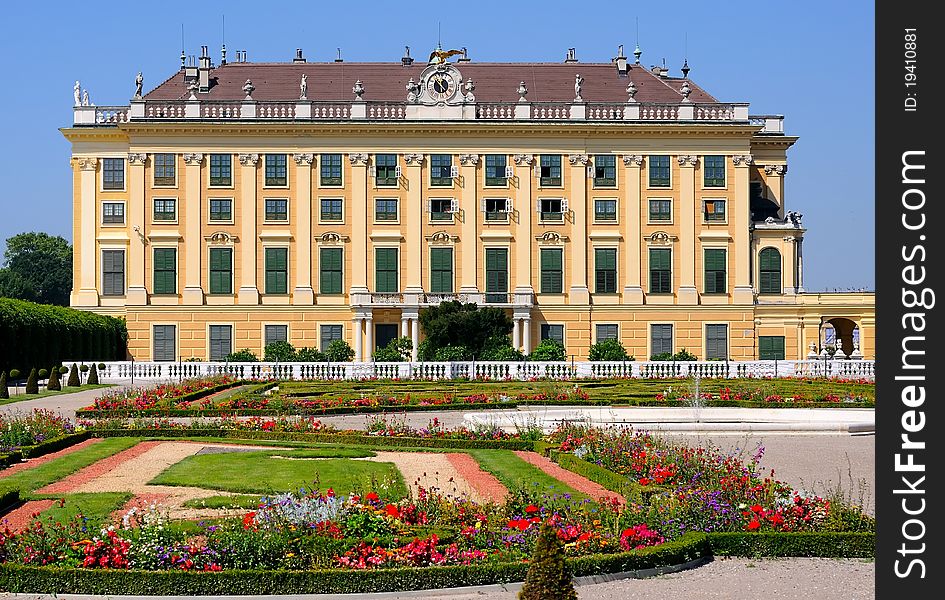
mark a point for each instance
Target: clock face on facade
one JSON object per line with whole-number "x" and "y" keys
{"x": 441, "y": 86}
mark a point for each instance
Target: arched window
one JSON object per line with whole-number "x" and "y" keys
{"x": 770, "y": 281}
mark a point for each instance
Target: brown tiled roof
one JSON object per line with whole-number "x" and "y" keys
{"x": 495, "y": 82}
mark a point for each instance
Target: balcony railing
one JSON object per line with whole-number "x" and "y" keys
{"x": 387, "y": 298}
{"x": 221, "y": 110}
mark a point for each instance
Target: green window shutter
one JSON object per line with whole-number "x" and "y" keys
{"x": 770, "y": 271}
{"x": 385, "y": 262}
{"x": 221, "y": 270}
{"x": 771, "y": 347}
{"x": 714, "y": 270}
{"x": 277, "y": 261}
{"x": 605, "y": 270}
{"x": 329, "y": 264}
{"x": 716, "y": 342}
{"x": 165, "y": 271}
{"x": 551, "y": 270}
{"x": 441, "y": 270}
{"x": 497, "y": 265}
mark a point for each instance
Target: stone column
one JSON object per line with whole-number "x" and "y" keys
{"x": 356, "y": 333}
{"x": 414, "y": 337}
{"x": 193, "y": 252}
{"x": 523, "y": 205}
{"x": 404, "y": 326}
{"x": 359, "y": 220}
{"x": 516, "y": 334}
{"x": 469, "y": 203}
{"x": 579, "y": 292}
{"x": 87, "y": 294}
{"x": 789, "y": 277}
{"x": 687, "y": 293}
{"x": 369, "y": 335}
{"x": 303, "y": 292}
{"x": 137, "y": 294}
{"x": 775, "y": 181}
{"x": 800, "y": 265}
{"x": 633, "y": 201}
{"x": 248, "y": 292}
{"x": 526, "y": 335}
{"x": 411, "y": 220}
{"x": 739, "y": 226}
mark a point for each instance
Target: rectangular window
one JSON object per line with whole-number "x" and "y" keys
{"x": 496, "y": 209}
{"x": 277, "y": 270}
{"x": 329, "y": 333}
{"x": 713, "y": 171}
{"x": 606, "y": 332}
{"x": 275, "y": 333}
{"x": 552, "y": 271}
{"x": 165, "y": 209}
{"x": 113, "y": 213}
{"x": 605, "y": 210}
{"x": 771, "y": 347}
{"x": 716, "y": 342}
{"x": 550, "y": 170}
{"x": 440, "y": 170}
{"x": 113, "y": 272}
{"x": 441, "y": 209}
{"x": 605, "y": 270}
{"x": 441, "y": 270}
{"x": 713, "y": 210}
{"x": 552, "y": 332}
{"x": 330, "y": 170}
{"x": 330, "y": 209}
{"x": 113, "y": 173}
{"x": 221, "y": 270}
{"x": 165, "y": 343}
{"x": 276, "y": 173}
{"x": 659, "y": 171}
{"x": 714, "y": 260}
{"x": 385, "y": 170}
{"x": 221, "y": 209}
{"x": 385, "y": 270}
{"x": 165, "y": 270}
{"x": 551, "y": 209}
{"x": 385, "y": 209}
{"x": 660, "y": 271}
{"x": 221, "y": 170}
{"x": 497, "y": 275}
{"x": 221, "y": 341}
{"x": 165, "y": 170}
{"x": 277, "y": 209}
{"x": 661, "y": 339}
{"x": 661, "y": 210}
{"x": 330, "y": 261}
{"x": 495, "y": 170}
{"x": 605, "y": 170}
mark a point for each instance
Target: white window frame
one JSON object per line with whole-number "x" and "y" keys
{"x": 288, "y": 211}
{"x": 400, "y": 257}
{"x": 262, "y": 334}
{"x": 593, "y": 171}
{"x": 343, "y": 211}
{"x": 318, "y": 172}
{"x": 232, "y": 173}
{"x": 508, "y": 209}
{"x": 672, "y": 207}
{"x": 725, "y": 163}
{"x": 288, "y": 176}
{"x": 288, "y": 269}
{"x": 124, "y": 271}
{"x": 646, "y": 170}
{"x": 374, "y": 211}
{"x": 728, "y": 339}
{"x": 124, "y": 213}
{"x": 232, "y": 327}
{"x": 649, "y": 337}
{"x": 331, "y": 324}
{"x": 453, "y": 210}
{"x": 564, "y": 211}
{"x": 595, "y": 331}
{"x": 176, "y": 219}
{"x": 616, "y": 201}
{"x": 703, "y": 215}
{"x": 176, "y": 327}
{"x": 232, "y": 211}
{"x": 154, "y": 172}
{"x": 101, "y": 174}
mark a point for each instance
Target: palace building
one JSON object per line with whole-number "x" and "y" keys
{"x": 243, "y": 203}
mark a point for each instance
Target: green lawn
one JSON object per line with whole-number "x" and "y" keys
{"x": 19, "y": 397}
{"x": 515, "y": 473}
{"x": 97, "y": 508}
{"x": 32, "y": 479}
{"x": 242, "y": 501}
{"x": 269, "y": 472}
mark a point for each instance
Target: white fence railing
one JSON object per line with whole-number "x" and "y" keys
{"x": 522, "y": 370}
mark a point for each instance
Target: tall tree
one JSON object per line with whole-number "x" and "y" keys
{"x": 37, "y": 267}
{"x": 474, "y": 328}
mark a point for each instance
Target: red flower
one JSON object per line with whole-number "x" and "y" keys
{"x": 756, "y": 508}
{"x": 392, "y": 511}
{"x": 531, "y": 509}
{"x": 249, "y": 520}
{"x": 371, "y": 497}
{"x": 753, "y": 525}
{"x": 644, "y": 481}
{"x": 331, "y": 492}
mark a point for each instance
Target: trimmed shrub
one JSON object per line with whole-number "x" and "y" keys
{"x": 279, "y": 351}
{"x": 4, "y": 393}
{"x": 53, "y": 382}
{"x": 101, "y": 366}
{"x": 84, "y": 368}
{"x": 43, "y": 373}
{"x": 339, "y": 351}
{"x": 451, "y": 353}
{"x": 93, "y": 376}
{"x": 32, "y": 382}
{"x": 73, "y": 380}
{"x": 15, "y": 374}
{"x": 548, "y": 574}
{"x": 398, "y": 350}
{"x": 309, "y": 355}
{"x": 608, "y": 350}
{"x": 244, "y": 355}
{"x": 548, "y": 350}
{"x": 63, "y": 370}
{"x": 798, "y": 543}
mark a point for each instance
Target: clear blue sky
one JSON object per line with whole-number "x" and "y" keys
{"x": 810, "y": 61}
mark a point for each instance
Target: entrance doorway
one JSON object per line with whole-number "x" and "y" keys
{"x": 384, "y": 333}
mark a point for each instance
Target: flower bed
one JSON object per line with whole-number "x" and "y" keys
{"x": 164, "y": 396}
{"x": 19, "y": 432}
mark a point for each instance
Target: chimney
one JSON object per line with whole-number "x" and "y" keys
{"x": 406, "y": 60}
{"x": 298, "y": 56}
{"x": 204, "y": 71}
{"x": 621, "y": 61}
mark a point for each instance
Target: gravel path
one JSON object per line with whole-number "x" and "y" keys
{"x": 32, "y": 463}
{"x": 575, "y": 481}
{"x": 429, "y": 470}
{"x": 20, "y": 517}
{"x": 485, "y": 482}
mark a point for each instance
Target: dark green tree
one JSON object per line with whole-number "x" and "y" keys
{"x": 548, "y": 350}
{"x": 4, "y": 392}
{"x": 549, "y": 577}
{"x": 610, "y": 349}
{"x": 244, "y": 355}
{"x": 53, "y": 382}
{"x": 397, "y": 350}
{"x": 38, "y": 267}
{"x": 32, "y": 382}
{"x": 279, "y": 351}
{"x": 93, "y": 375}
{"x": 339, "y": 351}
{"x": 462, "y": 325}
{"x": 73, "y": 380}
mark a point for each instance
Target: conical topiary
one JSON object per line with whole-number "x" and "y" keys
{"x": 32, "y": 382}
{"x": 93, "y": 375}
{"x": 53, "y": 382}
{"x": 4, "y": 393}
{"x": 549, "y": 577}
{"x": 73, "y": 380}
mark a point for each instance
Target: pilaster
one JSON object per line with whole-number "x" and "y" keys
{"x": 523, "y": 228}
{"x": 137, "y": 294}
{"x": 579, "y": 292}
{"x": 412, "y": 218}
{"x": 248, "y": 291}
{"x": 193, "y": 291}
{"x": 359, "y": 236}
{"x": 303, "y": 294}
{"x": 633, "y": 290}
{"x": 738, "y": 217}
{"x": 687, "y": 293}
{"x": 87, "y": 294}
{"x": 469, "y": 204}
{"x": 775, "y": 182}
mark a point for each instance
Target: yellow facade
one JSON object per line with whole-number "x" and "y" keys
{"x": 749, "y": 154}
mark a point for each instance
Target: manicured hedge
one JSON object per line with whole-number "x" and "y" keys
{"x": 10, "y": 458}
{"x": 46, "y": 335}
{"x": 54, "y": 444}
{"x": 605, "y": 477}
{"x": 8, "y": 499}
{"x": 320, "y": 438}
{"x": 771, "y": 544}
{"x": 51, "y": 580}
{"x": 183, "y": 412}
